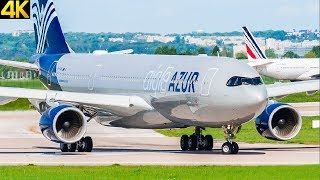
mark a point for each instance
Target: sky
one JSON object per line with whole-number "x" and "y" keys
{"x": 179, "y": 16}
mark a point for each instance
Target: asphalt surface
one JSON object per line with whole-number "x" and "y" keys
{"x": 307, "y": 109}
{"x": 21, "y": 143}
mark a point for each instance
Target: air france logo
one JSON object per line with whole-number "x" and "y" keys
{"x": 42, "y": 18}
{"x": 183, "y": 82}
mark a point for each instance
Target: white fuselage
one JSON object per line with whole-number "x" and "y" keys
{"x": 189, "y": 90}
{"x": 290, "y": 69}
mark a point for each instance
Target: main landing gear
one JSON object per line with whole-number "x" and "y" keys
{"x": 84, "y": 145}
{"x": 230, "y": 147}
{"x": 199, "y": 142}
{"x": 196, "y": 141}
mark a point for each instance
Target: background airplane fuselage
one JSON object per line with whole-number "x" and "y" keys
{"x": 291, "y": 69}
{"x": 190, "y": 90}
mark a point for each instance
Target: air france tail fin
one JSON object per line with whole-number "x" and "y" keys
{"x": 48, "y": 32}
{"x": 253, "y": 49}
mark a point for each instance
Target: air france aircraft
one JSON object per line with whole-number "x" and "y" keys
{"x": 148, "y": 92}
{"x": 281, "y": 69}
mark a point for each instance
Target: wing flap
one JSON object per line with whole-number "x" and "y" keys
{"x": 282, "y": 89}
{"x": 20, "y": 65}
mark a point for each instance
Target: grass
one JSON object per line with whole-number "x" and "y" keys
{"x": 18, "y": 105}
{"x": 31, "y": 84}
{"x": 309, "y": 172}
{"x": 301, "y": 97}
{"x": 269, "y": 80}
{"x": 249, "y": 134}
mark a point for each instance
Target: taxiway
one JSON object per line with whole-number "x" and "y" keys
{"x": 21, "y": 143}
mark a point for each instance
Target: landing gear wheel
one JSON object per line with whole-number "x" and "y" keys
{"x": 81, "y": 145}
{"x": 68, "y": 147}
{"x": 89, "y": 144}
{"x": 235, "y": 148}
{"x": 192, "y": 143}
{"x": 85, "y": 145}
{"x": 64, "y": 147}
{"x": 184, "y": 143}
{"x": 209, "y": 142}
{"x": 227, "y": 148}
{"x": 72, "y": 147}
{"x": 202, "y": 145}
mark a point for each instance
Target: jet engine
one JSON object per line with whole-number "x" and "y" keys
{"x": 63, "y": 124}
{"x": 279, "y": 122}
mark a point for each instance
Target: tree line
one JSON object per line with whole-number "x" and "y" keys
{"x": 228, "y": 52}
{"x": 215, "y": 51}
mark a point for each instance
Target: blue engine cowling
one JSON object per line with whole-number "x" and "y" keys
{"x": 279, "y": 122}
{"x": 63, "y": 124}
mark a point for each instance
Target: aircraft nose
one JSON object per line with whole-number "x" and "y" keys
{"x": 259, "y": 99}
{"x": 260, "y": 96}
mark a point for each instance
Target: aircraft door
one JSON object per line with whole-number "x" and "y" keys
{"x": 93, "y": 78}
{"x": 207, "y": 81}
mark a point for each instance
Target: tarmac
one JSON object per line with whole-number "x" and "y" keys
{"x": 21, "y": 143}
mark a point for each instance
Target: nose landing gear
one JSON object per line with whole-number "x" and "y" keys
{"x": 196, "y": 141}
{"x": 230, "y": 147}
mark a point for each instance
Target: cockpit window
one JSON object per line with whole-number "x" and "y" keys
{"x": 237, "y": 81}
{"x": 257, "y": 81}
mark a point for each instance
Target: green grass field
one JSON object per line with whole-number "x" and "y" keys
{"x": 309, "y": 172}
{"x": 31, "y": 84}
{"x": 18, "y": 105}
{"x": 249, "y": 134}
{"x": 300, "y": 97}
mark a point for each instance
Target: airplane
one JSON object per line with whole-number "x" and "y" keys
{"x": 281, "y": 69}
{"x": 148, "y": 92}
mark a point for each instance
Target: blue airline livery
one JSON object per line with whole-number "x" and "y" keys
{"x": 183, "y": 81}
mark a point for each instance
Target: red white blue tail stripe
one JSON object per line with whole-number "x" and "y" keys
{"x": 253, "y": 49}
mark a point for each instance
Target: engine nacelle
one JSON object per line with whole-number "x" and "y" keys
{"x": 279, "y": 122}
{"x": 63, "y": 124}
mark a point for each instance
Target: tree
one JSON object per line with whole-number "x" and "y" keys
{"x": 290, "y": 54}
{"x": 226, "y": 52}
{"x": 310, "y": 54}
{"x": 186, "y": 53}
{"x": 201, "y": 51}
{"x": 215, "y": 51}
{"x": 270, "y": 53}
{"x": 165, "y": 50}
{"x": 241, "y": 55}
{"x": 316, "y": 50}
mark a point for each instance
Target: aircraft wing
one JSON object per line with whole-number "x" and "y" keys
{"x": 117, "y": 104}
{"x": 20, "y": 65}
{"x": 6, "y": 100}
{"x": 283, "y": 89}
{"x": 260, "y": 62}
